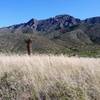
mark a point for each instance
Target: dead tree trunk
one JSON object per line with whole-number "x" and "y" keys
{"x": 28, "y": 45}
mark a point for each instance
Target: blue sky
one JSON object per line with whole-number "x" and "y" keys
{"x": 18, "y": 11}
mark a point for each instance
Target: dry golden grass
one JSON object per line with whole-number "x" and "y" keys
{"x": 43, "y": 77}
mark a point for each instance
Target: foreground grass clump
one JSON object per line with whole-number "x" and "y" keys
{"x": 43, "y": 77}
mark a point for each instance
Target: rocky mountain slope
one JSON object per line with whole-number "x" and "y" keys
{"x": 59, "y": 34}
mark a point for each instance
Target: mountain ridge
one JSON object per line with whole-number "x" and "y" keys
{"x": 66, "y": 34}
{"x": 85, "y": 19}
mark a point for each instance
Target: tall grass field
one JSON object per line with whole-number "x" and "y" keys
{"x": 49, "y": 77}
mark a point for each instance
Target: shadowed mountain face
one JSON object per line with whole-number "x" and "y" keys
{"x": 62, "y": 33}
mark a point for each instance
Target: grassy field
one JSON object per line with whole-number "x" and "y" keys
{"x": 43, "y": 77}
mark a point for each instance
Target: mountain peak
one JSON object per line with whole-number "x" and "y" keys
{"x": 92, "y": 20}
{"x": 63, "y": 15}
{"x": 32, "y": 21}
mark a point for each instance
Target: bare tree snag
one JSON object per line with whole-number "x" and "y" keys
{"x": 28, "y": 45}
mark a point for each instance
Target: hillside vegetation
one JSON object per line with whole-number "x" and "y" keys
{"x": 48, "y": 77}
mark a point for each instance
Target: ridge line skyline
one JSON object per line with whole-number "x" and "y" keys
{"x": 48, "y": 18}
